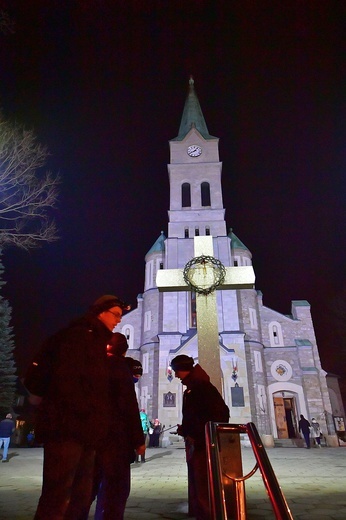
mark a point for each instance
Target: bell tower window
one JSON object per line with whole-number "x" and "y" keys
{"x": 186, "y": 195}
{"x": 205, "y": 193}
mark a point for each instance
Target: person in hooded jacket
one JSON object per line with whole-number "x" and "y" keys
{"x": 202, "y": 402}
{"x": 125, "y": 438}
{"x": 73, "y": 413}
{"x": 304, "y": 427}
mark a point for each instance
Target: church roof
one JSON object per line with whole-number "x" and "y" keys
{"x": 159, "y": 245}
{"x": 236, "y": 243}
{"x": 192, "y": 116}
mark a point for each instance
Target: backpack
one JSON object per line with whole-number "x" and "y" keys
{"x": 39, "y": 374}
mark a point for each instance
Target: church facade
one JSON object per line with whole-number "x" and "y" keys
{"x": 270, "y": 364}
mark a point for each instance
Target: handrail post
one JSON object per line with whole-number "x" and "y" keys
{"x": 226, "y": 460}
{"x": 225, "y": 474}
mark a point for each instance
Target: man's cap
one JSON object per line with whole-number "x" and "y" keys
{"x": 117, "y": 345}
{"x": 106, "y": 302}
{"x": 134, "y": 365}
{"x": 182, "y": 362}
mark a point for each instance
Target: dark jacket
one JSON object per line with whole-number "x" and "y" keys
{"x": 6, "y": 428}
{"x": 202, "y": 402}
{"x": 76, "y": 405}
{"x": 304, "y": 425}
{"x": 125, "y": 424}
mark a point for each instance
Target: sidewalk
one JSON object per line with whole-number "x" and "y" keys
{"x": 313, "y": 482}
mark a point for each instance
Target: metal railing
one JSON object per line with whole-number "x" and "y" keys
{"x": 225, "y": 474}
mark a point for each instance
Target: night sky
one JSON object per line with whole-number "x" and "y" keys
{"x": 103, "y": 85}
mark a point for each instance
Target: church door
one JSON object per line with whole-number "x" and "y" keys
{"x": 291, "y": 417}
{"x": 280, "y": 418}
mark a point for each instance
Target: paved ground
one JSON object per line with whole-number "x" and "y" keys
{"x": 313, "y": 482}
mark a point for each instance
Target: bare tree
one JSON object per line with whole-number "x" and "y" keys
{"x": 26, "y": 192}
{"x": 7, "y": 24}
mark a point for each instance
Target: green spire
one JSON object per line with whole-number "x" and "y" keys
{"x": 236, "y": 243}
{"x": 159, "y": 245}
{"x": 192, "y": 116}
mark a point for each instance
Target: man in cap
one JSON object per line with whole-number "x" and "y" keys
{"x": 73, "y": 416}
{"x": 201, "y": 403}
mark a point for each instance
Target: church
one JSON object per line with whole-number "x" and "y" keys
{"x": 270, "y": 365}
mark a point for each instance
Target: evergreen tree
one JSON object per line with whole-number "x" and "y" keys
{"x": 8, "y": 376}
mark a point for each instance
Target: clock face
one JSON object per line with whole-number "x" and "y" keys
{"x": 194, "y": 150}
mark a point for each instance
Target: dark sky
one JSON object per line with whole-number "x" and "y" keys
{"x": 103, "y": 84}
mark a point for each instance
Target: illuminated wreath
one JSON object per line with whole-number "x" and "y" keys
{"x": 218, "y": 273}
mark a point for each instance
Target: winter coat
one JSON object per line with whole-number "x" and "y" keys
{"x": 202, "y": 402}
{"x": 145, "y": 422}
{"x": 125, "y": 424}
{"x": 6, "y": 428}
{"x": 316, "y": 430}
{"x": 76, "y": 404}
{"x": 304, "y": 425}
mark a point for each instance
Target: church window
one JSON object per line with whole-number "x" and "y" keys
{"x": 197, "y": 232}
{"x": 275, "y": 334}
{"x": 262, "y": 398}
{"x": 144, "y": 396}
{"x": 147, "y": 321}
{"x": 145, "y": 363}
{"x": 207, "y": 231}
{"x": 186, "y": 195}
{"x": 253, "y": 318}
{"x": 193, "y": 316}
{"x": 205, "y": 193}
{"x": 235, "y": 263}
{"x": 186, "y": 233}
{"x": 128, "y": 332}
{"x": 158, "y": 264}
{"x": 258, "y": 361}
{"x": 149, "y": 274}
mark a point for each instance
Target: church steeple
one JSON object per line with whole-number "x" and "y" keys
{"x": 192, "y": 116}
{"x": 196, "y": 206}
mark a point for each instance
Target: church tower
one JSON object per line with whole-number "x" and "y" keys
{"x": 271, "y": 371}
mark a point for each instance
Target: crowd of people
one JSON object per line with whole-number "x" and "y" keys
{"x": 88, "y": 420}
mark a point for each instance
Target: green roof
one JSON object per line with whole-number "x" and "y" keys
{"x": 235, "y": 242}
{"x": 159, "y": 245}
{"x": 303, "y": 342}
{"x": 301, "y": 303}
{"x": 192, "y": 116}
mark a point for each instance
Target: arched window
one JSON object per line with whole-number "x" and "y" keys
{"x": 128, "y": 331}
{"x": 275, "y": 334}
{"x": 186, "y": 195}
{"x": 205, "y": 193}
{"x": 186, "y": 233}
{"x": 207, "y": 231}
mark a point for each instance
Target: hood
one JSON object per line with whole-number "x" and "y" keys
{"x": 196, "y": 375}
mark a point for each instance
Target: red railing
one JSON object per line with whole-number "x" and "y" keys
{"x": 225, "y": 474}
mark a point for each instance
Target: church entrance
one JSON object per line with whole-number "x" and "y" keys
{"x": 286, "y": 417}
